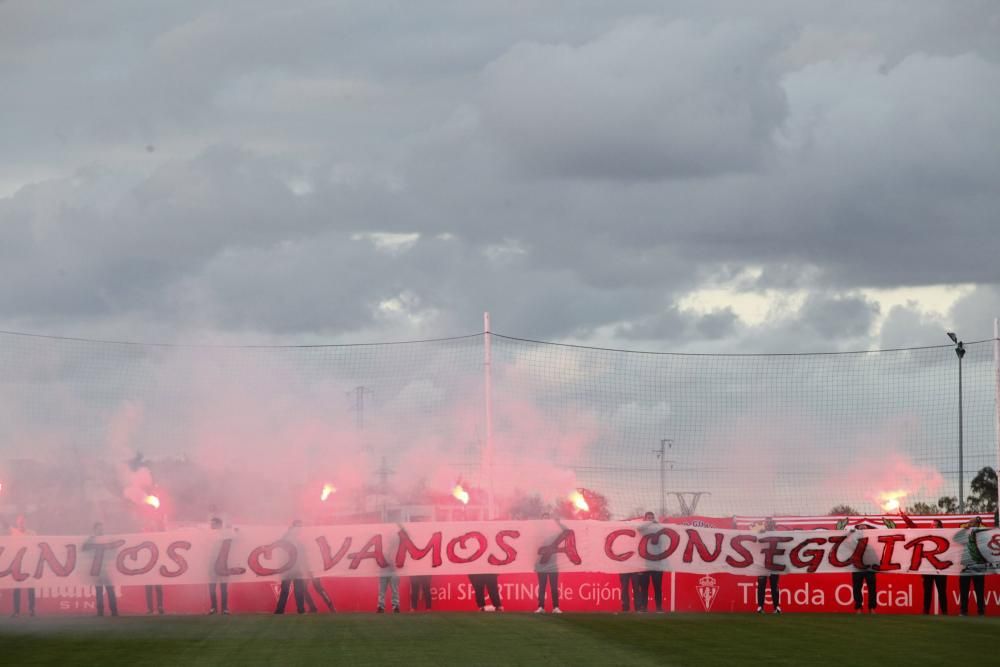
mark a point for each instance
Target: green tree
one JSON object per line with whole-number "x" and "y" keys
{"x": 921, "y": 507}
{"x": 948, "y": 505}
{"x": 528, "y": 507}
{"x": 843, "y": 510}
{"x": 984, "y": 491}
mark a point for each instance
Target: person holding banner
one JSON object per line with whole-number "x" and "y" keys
{"x": 654, "y": 577}
{"x": 938, "y": 581}
{"x": 294, "y": 577}
{"x": 548, "y": 573}
{"x": 483, "y": 583}
{"x": 771, "y": 579}
{"x": 631, "y": 587}
{"x": 420, "y": 585}
{"x": 154, "y": 524}
{"x": 975, "y": 581}
{"x": 102, "y": 581}
{"x": 389, "y": 580}
{"x": 18, "y": 530}
{"x": 216, "y": 524}
{"x": 865, "y": 577}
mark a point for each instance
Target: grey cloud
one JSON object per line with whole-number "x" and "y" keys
{"x": 857, "y": 162}
{"x": 676, "y": 326}
{"x": 972, "y": 316}
{"x": 906, "y": 326}
{"x": 649, "y": 99}
{"x": 838, "y": 317}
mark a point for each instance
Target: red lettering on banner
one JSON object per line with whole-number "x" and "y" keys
{"x": 994, "y": 545}
{"x": 695, "y": 543}
{"x": 14, "y": 569}
{"x": 737, "y": 545}
{"x": 567, "y": 540}
{"x": 771, "y": 550}
{"x": 459, "y": 542}
{"x": 329, "y": 561}
{"x": 372, "y": 549}
{"x": 97, "y": 566}
{"x": 940, "y": 546}
{"x": 407, "y": 546}
{"x": 179, "y": 560}
{"x": 132, "y": 553}
{"x": 886, "y": 565}
{"x": 609, "y": 544}
{"x": 670, "y": 533}
{"x": 258, "y": 568}
{"x": 857, "y": 558}
{"x": 508, "y": 550}
{"x": 808, "y": 559}
{"x": 222, "y": 568}
{"x": 48, "y": 557}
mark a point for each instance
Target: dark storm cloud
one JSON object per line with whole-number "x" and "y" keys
{"x": 571, "y": 167}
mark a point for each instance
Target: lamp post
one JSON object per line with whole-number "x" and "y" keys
{"x": 960, "y": 352}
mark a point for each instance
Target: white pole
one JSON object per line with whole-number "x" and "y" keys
{"x": 488, "y": 397}
{"x": 996, "y": 394}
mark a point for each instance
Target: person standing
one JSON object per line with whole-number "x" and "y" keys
{"x": 294, "y": 577}
{"x": 317, "y": 585}
{"x": 972, "y": 563}
{"x": 223, "y": 587}
{"x": 547, "y": 570}
{"x": 420, "y": 586}
{"x": 938, "y": 581}
{"x": 483, "y": 584}
{"x": 389, "y": 579}
{"x": 649, "y": 578}
{"x": 865, "y": 577}
{"x": 102, "y": 583}
{"x": 19, "y": 530}
{"x": 771, "y": 579}
{"x": 631, "y": 587}
{"x": 154, "y": 524}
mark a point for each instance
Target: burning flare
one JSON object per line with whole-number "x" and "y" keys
{"x": 461, "y": 494}
{"x": 328, "y": 490}
{"x": 152, "y": 501}
{"x": 579, "y": 502}
{"x": 890, "y": 500}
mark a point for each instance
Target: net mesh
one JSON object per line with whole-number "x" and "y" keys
{"x": 259, "y": 426}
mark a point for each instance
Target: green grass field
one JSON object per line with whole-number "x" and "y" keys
{"x": 501, "y": 639}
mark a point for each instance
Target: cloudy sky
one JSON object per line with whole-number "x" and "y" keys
{"x": 713, "y": 176}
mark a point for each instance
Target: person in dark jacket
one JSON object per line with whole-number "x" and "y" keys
{"x": 771, "y": 579}
{"x": 650, "y": 578}
{"x": 938, "y": 581}
{"x": 483, "y": 583}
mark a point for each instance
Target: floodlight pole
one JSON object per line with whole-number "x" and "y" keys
{"x": 996, "y": 394}
{"x": 961, "y": 457}
{"x": 960, "y": 352}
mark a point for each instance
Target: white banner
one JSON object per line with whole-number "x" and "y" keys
{"x": 267, "y": 553}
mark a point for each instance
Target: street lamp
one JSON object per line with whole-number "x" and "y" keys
{"x": 959, "y": 352}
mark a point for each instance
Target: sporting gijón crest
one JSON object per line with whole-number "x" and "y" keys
{"x": 708, "y": 590}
